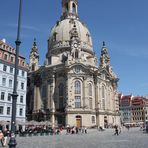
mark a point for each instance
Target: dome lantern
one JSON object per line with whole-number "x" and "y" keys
{"x": 69, "y": 9}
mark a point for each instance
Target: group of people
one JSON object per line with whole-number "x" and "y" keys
{"x": 3, "y": 137}
{"x": 76, "y": 130}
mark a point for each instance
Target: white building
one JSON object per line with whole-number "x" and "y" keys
{"x": 7, "y": 61}
{"x": 72, "y": 88}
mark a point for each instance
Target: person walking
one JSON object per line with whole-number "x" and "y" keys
{"x": 116, "y": 130}
{"x": 1, "y": 137}
{"x": 5, "y": 133}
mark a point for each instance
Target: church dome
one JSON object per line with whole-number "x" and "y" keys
{"x": 60, "y": 34}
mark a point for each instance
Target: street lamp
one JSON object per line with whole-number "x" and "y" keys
{"x": 12, "y": 142}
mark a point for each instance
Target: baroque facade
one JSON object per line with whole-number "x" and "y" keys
{"x": 72, "y": 88}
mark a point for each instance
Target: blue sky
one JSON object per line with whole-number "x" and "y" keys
{"x": 122, "y": 24}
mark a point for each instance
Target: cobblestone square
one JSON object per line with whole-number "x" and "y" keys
{"x": 134, "y": 138}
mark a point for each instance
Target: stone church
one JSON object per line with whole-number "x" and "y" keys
{"x": 72, "y": 88}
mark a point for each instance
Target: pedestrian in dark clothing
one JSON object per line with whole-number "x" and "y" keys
{"x": 116, "y": 131}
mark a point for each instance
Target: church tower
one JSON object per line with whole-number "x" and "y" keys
{"x": 104, "y": 59}
{"x": 34, "y": 58}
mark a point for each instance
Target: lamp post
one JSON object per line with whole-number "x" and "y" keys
{"x": 12, "y": 142}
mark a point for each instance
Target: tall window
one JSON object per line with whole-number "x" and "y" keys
{"x": 1, "y": 110}
{"x": 8, "y": 110}
{"x": 77, "y": 102}
{"x": 22, "y": 85}
{"x": 90, "y": 89}
{"x": 5, "y": 56}
{"x": 2, "y": 95}
{"x": 11, "y": 59}
{"x": 61, "y": 97}
{"x": 77, "y": 87}
{"x": 21, "y": 99}
{"x": 77, "y": 94}
{"x": 103, "y": 92}
{"x": 4, "y": 81}
{"x": 11, "y": 69}
{"x": 4, "y": 68}
{"x": 21, "y": 112}
{"x": 23, "y": 73}
{"x": 9, "y": 97}
{"x": 10, "y": 83}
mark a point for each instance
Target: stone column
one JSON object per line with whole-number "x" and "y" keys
{"x": 37, "y": 99}
{"x": 52, "y": 88}
{"x": 96, "y": 101}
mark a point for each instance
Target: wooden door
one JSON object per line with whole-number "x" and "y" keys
{"x": 78, "y": 123}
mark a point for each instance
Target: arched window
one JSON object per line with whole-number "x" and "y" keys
{"x": 77, "y": 94}
{"x": 77, "y": 87}
{"x": 89, "y": 89}
{"x": 73, "y": 8}
{"x": 61, "y": 96}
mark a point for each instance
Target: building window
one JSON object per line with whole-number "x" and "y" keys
{"x": 93, "y": 119}
{"x": 2, "y": 95}
{"x": 5, "y": 56}
{"x": 12, "y": 59}
{"x": 77, "y": 87}
{"x": 4, "y": 81}
{"x": 22, "y": 86}
{"x": 103, "y": 92}
{"x": 54, "y": 36}
{"x": 11, "y": 69}
{"x": 90, "y": 89}
{"x": 77, "y": 102}
{"x": 21, "y": 99}
{"x": 10, "y": 83}
{"x": 8, "y": 110}
{"x": 21, "y": 112}
{"x": 61, "y": 93}
{"x": 1, "y": 110}
{"x": 4, "y": 68}
{"x": 23, "y": 63}
{"x": 9, "y": 97}
{"x": 23, "y": 73}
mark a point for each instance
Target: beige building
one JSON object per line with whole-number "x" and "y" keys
{"x": 72, "y": 88}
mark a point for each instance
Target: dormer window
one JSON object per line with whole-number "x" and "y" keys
{"x": 54, "y": 36}
{"x": 88, "y": 37}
